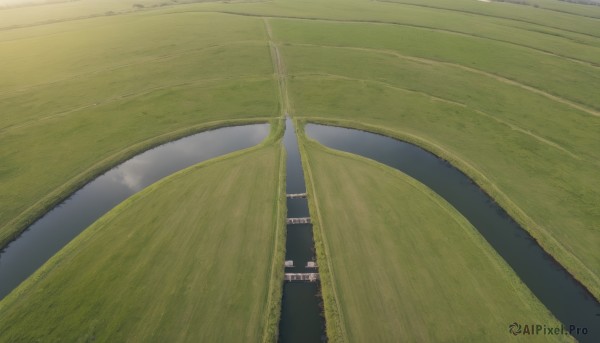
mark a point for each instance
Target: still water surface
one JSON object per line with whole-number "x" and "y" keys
{"x": 54, "y": 230}
{"x": 564, "y": 296}
{"x": 301, "y": 313}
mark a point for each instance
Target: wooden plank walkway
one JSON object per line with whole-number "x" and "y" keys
{"x": 305, "y": 220}
{"x": 296, "y": 196}
{"x": 310, "y": 277}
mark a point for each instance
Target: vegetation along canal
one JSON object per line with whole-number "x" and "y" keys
{"x": 301, "y": 313}
{"x": 564, "y": 296}
{"x": 54, "y": 230}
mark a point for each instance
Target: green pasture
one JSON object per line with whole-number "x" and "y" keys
{"x": 73, "y": 106}
{"x": 504, "y": 103}
{"x": 527, "y": 174}
{"x": 565, "y": 79}
{"x": 405, "y": 265}
{"x": 545, "y": 13}
{"x": 560, "y": 34}
{"x": 508, "y": 93}
{"x": 189, "y": 259}
{"x": 531, "y": 150}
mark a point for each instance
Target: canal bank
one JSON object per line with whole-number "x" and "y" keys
{"x": 301, "y": 313}
{"x": 46, "y": 236}
{"x": 566, "y": 298}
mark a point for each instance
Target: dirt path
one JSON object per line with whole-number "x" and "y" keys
{"x": 279, "y": 70}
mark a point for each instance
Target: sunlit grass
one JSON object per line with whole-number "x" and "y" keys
{"x": 406, "y": 265}
{"x": 187, "y": 259}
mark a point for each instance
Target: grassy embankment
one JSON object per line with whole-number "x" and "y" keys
{"x": 407, "y": 266}
{"x": 536, "y": 155}
{"x": 95, "y": 92}
{"x": 195, "y": 257}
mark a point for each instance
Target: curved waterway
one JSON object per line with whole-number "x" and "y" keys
{"x": 54, "y": 230}
{"x": 564, "y": 296}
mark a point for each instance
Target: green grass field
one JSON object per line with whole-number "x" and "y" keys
{"x": 509, "y": 93}
{"x": 139, "y": 81}
{"x": 189, "y": 259}
{"x": 522, "y": 123}
{"x": 406, "y": 265}
{"x": 529, "y": 152}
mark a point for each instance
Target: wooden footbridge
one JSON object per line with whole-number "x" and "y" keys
{"x": 310, "y": 277}
{"x": 304, "y": 220}
{"x": 296, "y": 196}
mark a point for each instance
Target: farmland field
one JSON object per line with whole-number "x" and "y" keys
{"x": 188, "y": 259}
{"x": 506, "y": 91}
{"x": 403, "y": 259}
{"x": 532, "y": 145}
{"x": 89, "y": 107}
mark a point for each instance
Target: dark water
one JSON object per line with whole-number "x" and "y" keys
{"x": 49, "y": 234}
{"x": 564, "y": 296}
{"x": 301, "y": 319}
{"x": 301, "y": 314}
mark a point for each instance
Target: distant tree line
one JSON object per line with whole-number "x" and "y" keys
{"x": 584, "y": 2}
{"x": 518, "y": 2}
{"x": 139, "y": 6}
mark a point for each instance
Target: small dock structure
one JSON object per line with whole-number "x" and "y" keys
{"x": 310, "y": 277}
{"x": 305, "y": 220}
{"x": 289, "y": 264}
{"x": 296, "y": 195}
{"x": 311, "y": 264}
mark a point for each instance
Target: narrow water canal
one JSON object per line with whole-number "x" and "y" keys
{"x": 54, "y": 230}
{"x": 301, "y": 312}
{"x": 564, "y": 296}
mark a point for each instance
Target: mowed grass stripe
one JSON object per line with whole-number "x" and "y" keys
{"x": 549, "y": 74}
{"x": 408, "y": 266}
{"x": 188, "y": 259}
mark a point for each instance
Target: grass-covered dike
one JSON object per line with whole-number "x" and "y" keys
{"x": 196, "y": 256}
